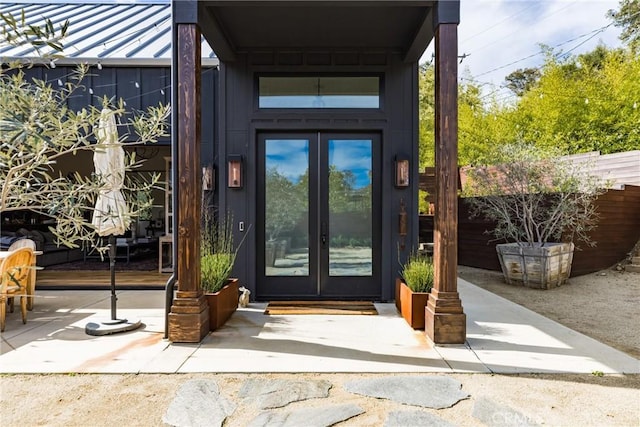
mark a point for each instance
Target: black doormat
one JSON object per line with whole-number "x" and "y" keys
{"x": 141, "y": 264}
{"x": 321, "y": 307}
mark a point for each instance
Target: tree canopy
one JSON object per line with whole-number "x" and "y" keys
{"x": 572, "y": 103}
{"x": 522, "y": 80}
{"x": 628, "y": 17}
{"x": 576, "y": 104}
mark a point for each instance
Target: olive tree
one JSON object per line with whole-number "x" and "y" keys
{"x": 533, "y": 196}
{"x": 37, "y": 129}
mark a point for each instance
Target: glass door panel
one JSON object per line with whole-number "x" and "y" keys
{"x": 318, "y": 219}
{"x": 286, "y": 212}
{"x": 350, "y": 216}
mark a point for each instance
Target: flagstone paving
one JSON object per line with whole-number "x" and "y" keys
{"x": 428, "y": 392}
{"x": 495, "y": 414}
{"x": 199, "y": 402}
{"x": 269, "y": 394}
{"x": 310, "y": 417}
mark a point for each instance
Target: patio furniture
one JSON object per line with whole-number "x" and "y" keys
{"x": 31, "y": 288}
{"x": 15, "y": 273}
{"x": 51, "y": 253}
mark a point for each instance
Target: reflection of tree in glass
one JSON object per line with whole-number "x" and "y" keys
{"x": 302, "y": 187}
{"x": 343, "y": 196}
{"x": 286, "y": 203}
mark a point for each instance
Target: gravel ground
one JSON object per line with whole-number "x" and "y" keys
{"x": 142, "y": 400}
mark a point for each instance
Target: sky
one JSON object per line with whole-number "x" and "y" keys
{"x": 501, "y": 36}
{"x": 290, "y": 157}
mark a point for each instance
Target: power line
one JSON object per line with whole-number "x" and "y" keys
{"x": 505, "y": 37}
{"x": 591, "y": 34}
{"x": 499, "y": 23}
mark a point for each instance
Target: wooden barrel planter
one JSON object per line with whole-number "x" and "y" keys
{"x": 540, "y": 267}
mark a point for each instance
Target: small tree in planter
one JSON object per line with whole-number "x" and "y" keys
{"x": 536, "y": 200}
{"x": 412, "y": 290}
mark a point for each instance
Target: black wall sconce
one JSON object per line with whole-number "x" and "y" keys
{"x": 234, "y": 171}
{"x": 402, "y": 172}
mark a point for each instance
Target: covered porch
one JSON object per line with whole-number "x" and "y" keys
{"x": 317, "y": 38}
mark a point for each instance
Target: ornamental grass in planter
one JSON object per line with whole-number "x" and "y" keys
{"x": 220, "y": 290}
{"x": 540, "y": 203}
{"x": 413, "y": 288}
{"x": 217, "y": 257}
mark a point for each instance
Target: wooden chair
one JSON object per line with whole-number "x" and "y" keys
{"x": 31, "y": 288}
{"x": 15, "y": 273}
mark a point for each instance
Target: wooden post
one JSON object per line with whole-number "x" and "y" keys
{"x": 189, "y": 318}
{"x": 445, "y": 321}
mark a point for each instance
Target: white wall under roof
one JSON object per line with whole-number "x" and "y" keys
{"x": 616, "y": 169}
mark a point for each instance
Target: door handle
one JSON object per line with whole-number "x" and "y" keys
{"x": 323, "y": 233}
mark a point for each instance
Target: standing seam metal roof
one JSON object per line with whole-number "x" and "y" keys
{"x": 104, "y": 31}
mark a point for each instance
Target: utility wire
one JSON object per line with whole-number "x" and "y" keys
{"x": 506, "y": 37}
{"x": 499, "y": 23}
{"x": 591, "y": 34}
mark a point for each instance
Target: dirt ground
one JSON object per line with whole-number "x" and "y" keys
{"x": 602, "y": 305}
{"x": 142, "y": 400}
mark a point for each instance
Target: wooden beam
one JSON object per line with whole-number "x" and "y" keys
{"x": 188, "y": 319}
{"x": 445, "y": 321}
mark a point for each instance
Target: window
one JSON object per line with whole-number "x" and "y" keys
{"x": 319, "y": 92}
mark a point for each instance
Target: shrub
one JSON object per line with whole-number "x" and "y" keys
{"x": 215, "y": 270}
{"x": 417, "y": 273}
{"x": 217, "y": 254}
{"x": 534, "y": 196}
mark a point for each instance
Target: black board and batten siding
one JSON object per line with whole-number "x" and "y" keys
{"x": 139, "y": 87}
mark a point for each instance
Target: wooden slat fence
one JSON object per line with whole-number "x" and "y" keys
{"x": 617, "y": 232}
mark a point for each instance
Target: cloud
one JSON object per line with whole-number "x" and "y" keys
{"x": 500, "y": 36}
{"x": 290, "y": 157}
{"x": 354, "y": 156}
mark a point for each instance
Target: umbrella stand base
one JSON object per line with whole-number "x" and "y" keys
{"x": 109, "y": 326}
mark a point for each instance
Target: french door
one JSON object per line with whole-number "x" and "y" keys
{"x": 318, "y": 234}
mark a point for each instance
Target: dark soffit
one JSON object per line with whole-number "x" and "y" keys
{"x": 231, "y": 27}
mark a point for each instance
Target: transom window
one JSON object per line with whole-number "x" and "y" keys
{"x": 319, "y": 92}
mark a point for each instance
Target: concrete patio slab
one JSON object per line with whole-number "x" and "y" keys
{"x": 508, "y": 338}
{"x": 502, "y": 337}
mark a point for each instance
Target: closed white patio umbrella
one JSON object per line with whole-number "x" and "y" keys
{"x": 110, "y": 217}
{"x": 111, "y": 214}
